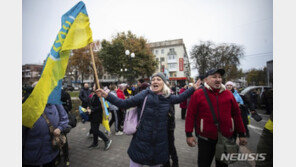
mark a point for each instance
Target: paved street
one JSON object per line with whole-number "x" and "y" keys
{"x": 116, "y": 156}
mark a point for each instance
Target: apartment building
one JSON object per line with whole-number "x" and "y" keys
{"x": 172, "y": 60}
{"x": 31, "y": 73}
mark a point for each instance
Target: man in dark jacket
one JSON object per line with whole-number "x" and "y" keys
{"x": 200, "y": 116}
{"x": 83, "y": 95}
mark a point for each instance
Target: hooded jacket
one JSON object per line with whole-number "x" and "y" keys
{"x": 226, "y": 110}
{"x": 149, "y": 145}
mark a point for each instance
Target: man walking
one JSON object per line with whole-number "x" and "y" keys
{"x": 83, "y": 95}
{"x": 199, "y": 115}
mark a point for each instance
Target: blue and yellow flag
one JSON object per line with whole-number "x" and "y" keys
{"x": 75, "y": 33}
{"x": 105, "y": 120}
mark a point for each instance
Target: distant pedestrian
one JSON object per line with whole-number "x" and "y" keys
{"x": 83, "y": 95}
{"x": 121, "y": 113}
{"x": 114, "y": 111}
{"x": 149, "y": 145}
{"x": 267, "y": 98}
{"x": 183, "y": 104}
{"x": 244, "y": 110}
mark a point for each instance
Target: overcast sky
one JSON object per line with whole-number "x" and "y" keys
{"x": 248, "y": 23}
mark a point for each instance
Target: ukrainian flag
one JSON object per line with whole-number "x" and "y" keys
{"x": 105, "y": 119}
{"x": 75, "y": 33}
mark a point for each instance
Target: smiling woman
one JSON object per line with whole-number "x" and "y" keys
{"x": 149, "y": 145}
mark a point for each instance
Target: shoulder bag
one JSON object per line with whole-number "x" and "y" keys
{"x": 57, "y": 141}
{"x": 131, "y": 122}
{"x": 224, "y": 145}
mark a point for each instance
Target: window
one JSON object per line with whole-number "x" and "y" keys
{"x": 162, "y": 59}
{"x": 162, "y": 50}
{"x": 172, "y": 49}
{"x": 157, "y": 59}
{"x": 172, "y": 57}
{"x": 156, "y": 51}
{"x": 172, "y": 65}
{"x": 104, "y": 77}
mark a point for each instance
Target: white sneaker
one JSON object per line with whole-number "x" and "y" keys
{"x": 100, "y": 138}
{"x": 119, "y": 133}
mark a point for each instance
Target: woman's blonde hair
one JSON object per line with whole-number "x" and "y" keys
{"x": 166, "y": 91}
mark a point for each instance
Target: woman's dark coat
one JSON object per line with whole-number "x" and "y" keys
{"x": 149, "y": 145}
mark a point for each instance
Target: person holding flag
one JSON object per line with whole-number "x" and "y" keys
{"x": 45, "y": 99}
{"x": 96, "y": 118}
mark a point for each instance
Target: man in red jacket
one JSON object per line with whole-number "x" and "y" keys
{"x": 183, "y": 104}
{"x": 199, "y": 116}
{"x": 121, "y": 112}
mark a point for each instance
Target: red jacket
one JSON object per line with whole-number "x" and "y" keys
{"x": 183, "y": 104}
{"x": 199, "y": 112}
{"x": 120, "y": 94}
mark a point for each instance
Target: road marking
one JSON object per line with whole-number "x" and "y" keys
{"x": 256, "y": 129}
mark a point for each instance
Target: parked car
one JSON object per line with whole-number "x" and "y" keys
{"x": 255, "y": 91}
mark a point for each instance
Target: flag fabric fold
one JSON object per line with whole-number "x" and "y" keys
{"x": 75, "y": 33}
{"x": 105, "y": 120}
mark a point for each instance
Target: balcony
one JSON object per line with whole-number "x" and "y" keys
{"x": 172, "y": 60}
{"x": 172, "y": 69}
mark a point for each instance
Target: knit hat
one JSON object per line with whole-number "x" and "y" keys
{"x": 230, "y": 83}
{"x": 159, "y": 74}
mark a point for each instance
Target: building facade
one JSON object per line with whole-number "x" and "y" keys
{"x": 172, "y": 60}
{"x": 31, "y": 73}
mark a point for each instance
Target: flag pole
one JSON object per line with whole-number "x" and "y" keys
{"x": 96, "y": 74}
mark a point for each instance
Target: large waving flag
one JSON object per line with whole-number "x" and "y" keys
{"x": 75, "y": 33}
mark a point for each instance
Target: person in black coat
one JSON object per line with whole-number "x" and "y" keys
{"x": 149, "y": 145}
{"x": 96, "y": 115}
{"x": 67, "y": 104}
{"x": 171, "y": 137}
{"x": 83, "y": 95}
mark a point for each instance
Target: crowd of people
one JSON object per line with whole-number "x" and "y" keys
{"x": 153, "y": 142}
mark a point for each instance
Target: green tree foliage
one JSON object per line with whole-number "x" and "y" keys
{"x": 256, "y": 76}
{"x": 114, "y": 59}
{"x": 208, "y": 55}
{"x": 81, "y": 61}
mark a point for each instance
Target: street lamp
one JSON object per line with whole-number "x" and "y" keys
{"x": 130, "y": 57}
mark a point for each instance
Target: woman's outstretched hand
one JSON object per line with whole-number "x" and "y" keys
{"x": 101, "y": 93}
{"x": 197, "y": 84}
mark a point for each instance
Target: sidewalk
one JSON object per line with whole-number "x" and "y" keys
{"x": 116, "y": 156}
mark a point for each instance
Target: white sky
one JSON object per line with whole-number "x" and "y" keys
{"x": 248, "y": 23}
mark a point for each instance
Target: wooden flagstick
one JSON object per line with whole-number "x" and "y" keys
{"x": 96, "y": 75}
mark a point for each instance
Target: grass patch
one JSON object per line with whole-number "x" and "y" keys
{"x": 74, "y": 93}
